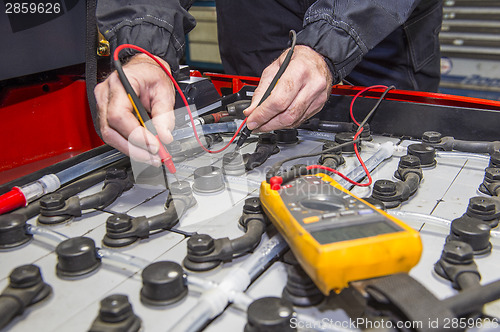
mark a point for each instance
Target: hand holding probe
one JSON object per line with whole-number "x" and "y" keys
{"x": 245, "y": 133}
{"x": 142, "y": 114}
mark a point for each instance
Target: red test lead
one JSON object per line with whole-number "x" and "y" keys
{"x": 166, "y": 158}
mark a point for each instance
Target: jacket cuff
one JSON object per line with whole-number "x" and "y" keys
{"x": 163, "y": 37}
{"x": 342, "y": 51}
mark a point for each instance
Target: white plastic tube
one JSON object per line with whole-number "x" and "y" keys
{"x": 213, "y": 302}
{"x": 120, "y": 257}
{"x": 372, "y": 145}
{"x": 324, "y": 326}
{"x": 385, "y": 151}
{"x": 436, "y": 221}
{"x": 200, "y": 283}
{"x": 309, "y": 134}
{"x": 47, "y": 233}
{"x": 462, "y": 155}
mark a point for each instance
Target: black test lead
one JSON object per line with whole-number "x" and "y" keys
{"x": 143, "y": 116}
{"x": 245, "y": 133}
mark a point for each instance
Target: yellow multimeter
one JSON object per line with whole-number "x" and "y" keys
{"x": 336, "y": 236}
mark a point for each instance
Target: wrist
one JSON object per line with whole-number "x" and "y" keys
{"x": 145, "y": 59}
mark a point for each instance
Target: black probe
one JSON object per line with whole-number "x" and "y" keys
{"x": 245, "y": 133}
{"x": 142, "y": 114}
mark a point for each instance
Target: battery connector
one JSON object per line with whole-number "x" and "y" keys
{"x": 391, "y": 193}
{"x": 491, "y": 182}
{"x": 205, "y": 253}
{"x": 123, "y": 230}
{"x": 26, "y": 287}
{"x": 457, "y": 265}
{"x": 54, "y": 209}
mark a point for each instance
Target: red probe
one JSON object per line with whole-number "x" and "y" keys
{"x": 166, "y": 158}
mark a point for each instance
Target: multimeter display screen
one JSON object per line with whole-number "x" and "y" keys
{"x": 353, "y": 232}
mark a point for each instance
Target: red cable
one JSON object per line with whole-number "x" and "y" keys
{"x": 357, "y": 95}
{"x": 140, "y": 49}
{"x": 370, "y": 180}
{"x": 368, "y": 175}
{"x": 137, "y": 48}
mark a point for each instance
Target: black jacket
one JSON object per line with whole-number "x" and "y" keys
{"x": 364, "y": 41}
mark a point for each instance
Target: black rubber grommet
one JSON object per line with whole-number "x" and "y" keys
{"x": 376, "y": 203}
{"x": 118, "y": 243}
{"x": 117, "y": 225}
{"x": 54, "y": 220}
{"x": 76, "y": 257}
{"x": 163, "y": 283}
{"x": 175, "y": 149}
{"x": 385, "y": 191}
{"x": 331, "y": 145}
{"x": 13, "y": 231}
{"x": 300, "y": 289}
{"x": 200, "y": 245}
{"x": 200, "y": 266}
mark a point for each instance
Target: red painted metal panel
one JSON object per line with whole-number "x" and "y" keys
{"x": 43, "y": 124}
{"x": 237, "y": 82}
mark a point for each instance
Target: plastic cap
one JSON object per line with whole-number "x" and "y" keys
{"x": 276, "y": 182}
{"x": 12, "y": 200}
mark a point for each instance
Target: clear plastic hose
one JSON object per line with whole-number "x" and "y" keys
{"x": 120, "y": 257}
{"x": 89, "y": 165}
{"x": 462, "y": 155}
{"x": 442, "y": 223}
{"x": 47, "y": 233}
{"x": 313, "y": 135}
{"x": 326, "y": 325}
{"x": 200, "y": 282}
{"x": 213, "y": 302}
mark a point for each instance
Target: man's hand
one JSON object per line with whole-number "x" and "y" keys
{"x": 119, "y": 126}
{"x": 300, "y": 93}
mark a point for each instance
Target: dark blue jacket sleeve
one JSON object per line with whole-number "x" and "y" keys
{"x": 343, "y": 31}
{"x": 158, "y": 26}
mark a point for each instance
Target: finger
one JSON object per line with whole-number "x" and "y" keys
{"x": 141, "y": 155}
{"x": 121, "y": 119}
{"x": 162, "y": 110}
{"x": 109, "y": 135}
{"x": 280, "y": 100}
{"x": 308, "y": 101}
{"x": 265, "y": 80}
{"x": 291, "y": 116}
{"x": 143, "y": 138}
